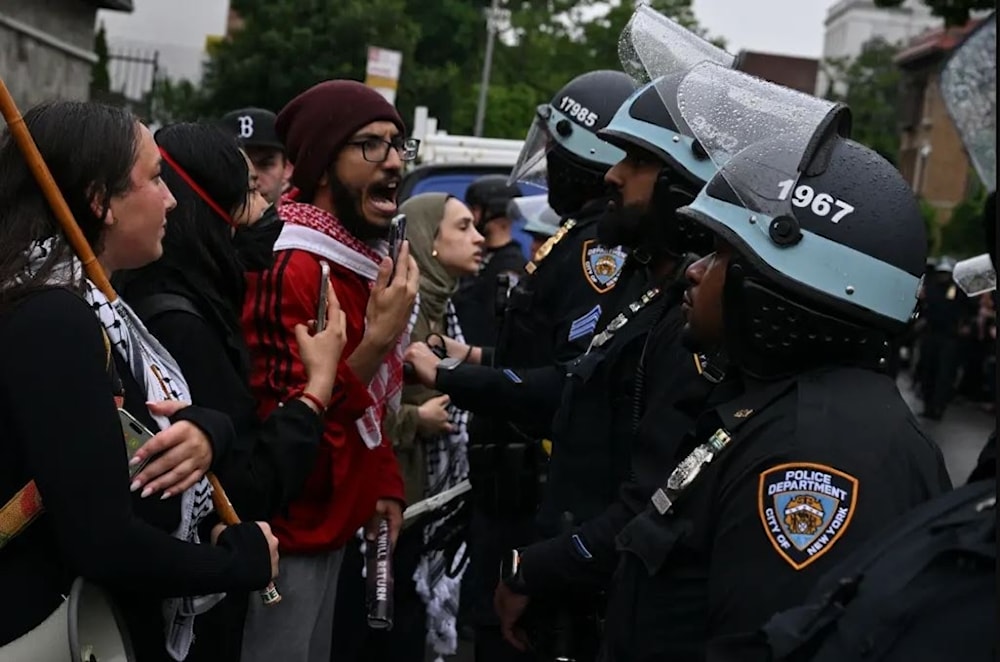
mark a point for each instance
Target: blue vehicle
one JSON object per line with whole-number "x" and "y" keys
{"x": 454, "y": 179}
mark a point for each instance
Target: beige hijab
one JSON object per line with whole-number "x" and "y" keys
{"x": 423, "y": 218}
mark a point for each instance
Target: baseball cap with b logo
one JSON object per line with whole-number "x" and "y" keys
{"x": 253, "y": 127}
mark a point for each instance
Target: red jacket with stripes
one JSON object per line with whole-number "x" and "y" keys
{"x": 348, "y": 478}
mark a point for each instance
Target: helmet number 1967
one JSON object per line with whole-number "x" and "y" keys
{"x": 821, "y": 204}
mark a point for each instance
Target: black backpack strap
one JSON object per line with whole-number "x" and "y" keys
{"x": 948, "y": 523}
{"x": 151, "y": 307}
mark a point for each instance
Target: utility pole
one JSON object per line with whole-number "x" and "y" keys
{"x": 493, "y": 15}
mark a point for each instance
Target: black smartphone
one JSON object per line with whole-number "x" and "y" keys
{"x": 324, "y": 289}
{"x": 397, "y": 233}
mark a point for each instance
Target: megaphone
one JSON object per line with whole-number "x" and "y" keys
{"x": 85, "y": 628}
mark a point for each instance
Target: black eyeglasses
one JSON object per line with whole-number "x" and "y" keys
{"x": 376, "y": 150}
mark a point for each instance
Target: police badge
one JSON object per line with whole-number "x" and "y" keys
{"x": 602, "y": 266}
{"x": 805, "y": 508}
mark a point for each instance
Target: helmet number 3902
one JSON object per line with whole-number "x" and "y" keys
{"x": 821, "y": 204}
{"x": 578, "y": 111}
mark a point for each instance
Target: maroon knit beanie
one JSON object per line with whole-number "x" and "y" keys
{"x": 315, "y": 125}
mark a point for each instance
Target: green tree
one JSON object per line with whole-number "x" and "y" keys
{"x": 872, "y": 88}
{"x": 954, "y": 12}
{"x": 285, "y": 46}
{"x": 100, "y": 78}
{"x": 962, "y": 235}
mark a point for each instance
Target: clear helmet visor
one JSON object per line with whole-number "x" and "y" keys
{"x": 530, "y": 167}
{"x": 975, "y": 275}
{"x": 969, "y": 89}
{"x": 654, "y": 48}
{"x": 773, "y": 128}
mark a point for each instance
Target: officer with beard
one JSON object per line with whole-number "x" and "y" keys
{"x": 806, "y": 449}
{"x": 549, "y": 319}
{"x": 634, "y": 363}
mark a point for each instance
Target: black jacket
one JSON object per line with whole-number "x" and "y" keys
{"x": 807, "y": 478}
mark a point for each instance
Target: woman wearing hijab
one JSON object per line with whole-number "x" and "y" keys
{"x": 72, "y": 362}
{"x": 191, "y": 298}
{"x": 429, "y": 436}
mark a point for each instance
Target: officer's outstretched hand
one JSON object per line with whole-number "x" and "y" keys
{"x": 424, "y": 363}
{"x": 509, "y": 607}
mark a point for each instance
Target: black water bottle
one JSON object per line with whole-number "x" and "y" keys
{"x": 379, "y": 580}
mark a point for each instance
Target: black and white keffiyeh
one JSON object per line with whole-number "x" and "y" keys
{"x": 155, "y": 370}
{"x": 447, "y": 466}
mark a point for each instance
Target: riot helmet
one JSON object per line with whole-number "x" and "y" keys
{"x": 562, "y": 151}
{"x": 828, "y": 241}
{"x": 969, "y": 89}
{"x": 657, "y": 52}
{"x": 488, "y": 197}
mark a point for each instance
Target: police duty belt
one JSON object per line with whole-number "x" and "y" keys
{"x": 690, "y": 467}
{"x": 623, "y": 318}
{"x": 550, "y": 243}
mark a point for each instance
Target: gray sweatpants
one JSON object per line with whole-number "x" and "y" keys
{"x": 300, "y": 627}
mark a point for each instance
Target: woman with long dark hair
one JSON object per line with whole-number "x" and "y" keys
{"x": 191, "y": 299}
{"x": 70, "y": 359}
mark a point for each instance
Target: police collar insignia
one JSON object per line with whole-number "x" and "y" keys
{"x": 550, "y": 243}
{"x": 623, "y": 318}
{"x": 602, "y": 266}
{"x": 805, "y": 508}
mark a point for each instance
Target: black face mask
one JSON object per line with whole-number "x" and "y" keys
{"x": 254, "y": 244}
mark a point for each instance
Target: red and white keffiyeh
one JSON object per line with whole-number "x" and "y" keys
{"x": 312, "y": 229}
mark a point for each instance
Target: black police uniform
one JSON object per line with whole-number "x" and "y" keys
{"x": 599, "y": 412}
{"x": 946, "y": 309}
{"x": 476, "y": 299}
{"x": 834, "y": 453}
{"x": 549, "y": 319}
{"x": 925, "y": 589}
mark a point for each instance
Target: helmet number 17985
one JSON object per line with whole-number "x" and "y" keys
{"x": 821, "y": 204}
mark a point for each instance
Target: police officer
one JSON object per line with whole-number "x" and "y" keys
{"x": 549, "y": 319}
{"x": 636, "y": 362}
{"x": 475, "y": 300}
{"x": 254, "y": 129}
{"x": 787, "y": 466}
{"x": 925, "y": 588}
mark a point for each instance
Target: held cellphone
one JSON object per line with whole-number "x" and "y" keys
{"x": 136, "y": 434}
{"x": 324, "y": 284}
{"x": 397, "y": 233}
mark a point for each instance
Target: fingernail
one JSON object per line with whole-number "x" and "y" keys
{"x": 134, "y": 461}
{"x": 146, "y": 492}
{"x": 166, "y": 495}
{"x": 134, "y": 486}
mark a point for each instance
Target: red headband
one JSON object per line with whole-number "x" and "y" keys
{"x": 197, "y": 189}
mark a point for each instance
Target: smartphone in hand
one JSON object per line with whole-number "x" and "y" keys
{"x": 324, "y": 290}
{"x": 397, "y": 233}
{"x": 136, "y": 434}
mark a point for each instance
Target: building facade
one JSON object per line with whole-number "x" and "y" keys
{"x": 47, "y": 48}
{"x": 931, "y": 155}
{"x": 850, "y": 24}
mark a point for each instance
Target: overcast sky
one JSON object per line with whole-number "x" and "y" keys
{"x": 788, "y": 27}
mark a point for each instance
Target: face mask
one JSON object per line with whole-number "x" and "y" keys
{"x": 254, "y": 244}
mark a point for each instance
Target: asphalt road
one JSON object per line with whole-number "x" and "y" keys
{"x": 961, "y": 433}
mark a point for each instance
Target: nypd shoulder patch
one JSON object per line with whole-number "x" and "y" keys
{"x": 805, "y": 508}
{"x": 602, "y": 266}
